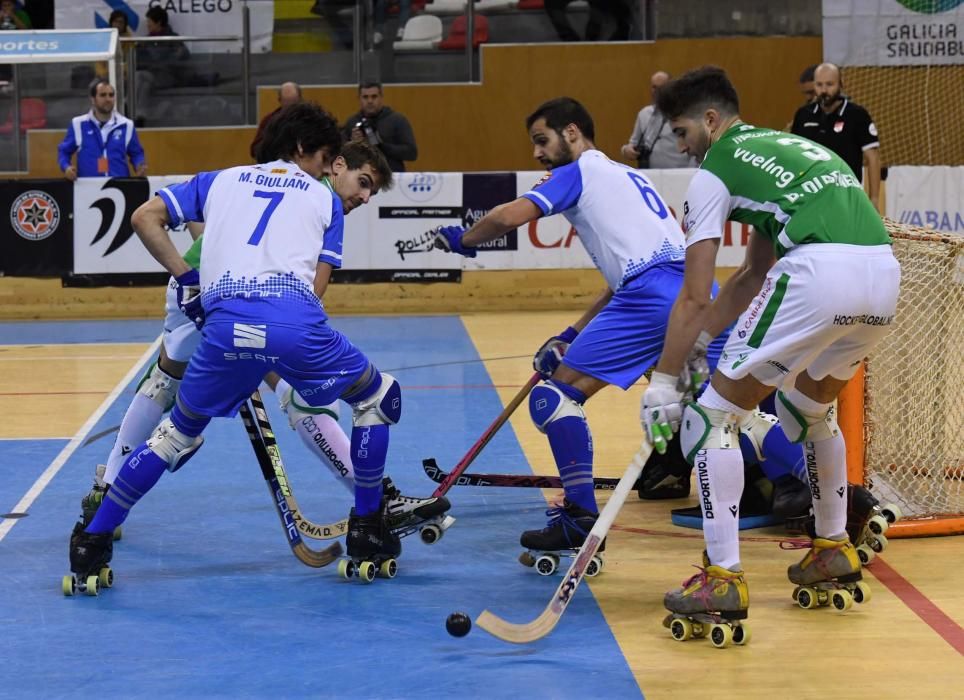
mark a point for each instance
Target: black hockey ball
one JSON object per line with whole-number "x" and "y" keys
{"x": 458, "y": 624}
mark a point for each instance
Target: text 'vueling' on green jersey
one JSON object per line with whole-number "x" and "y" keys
{"x": 790, "y": 189}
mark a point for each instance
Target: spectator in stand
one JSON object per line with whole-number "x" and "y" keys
{"x": 160, "y": 64}
{"x": 619, "y": 10}
{"x": 12, "y": 17}
{"x": 103, "y": 140}
{"x": 382, "y": 127}
{"x": 119, "y": 21}
{"x": 381, "y": 9}
{"x": 843, "y": 126}
{"x": 653, "y": 143}
{"x": 288, "y": 94}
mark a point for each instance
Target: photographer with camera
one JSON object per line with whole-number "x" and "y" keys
{"x": 382, "y": 127}
{"x": 652, "y": 144}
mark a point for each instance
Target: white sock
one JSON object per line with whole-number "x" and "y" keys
{"x": 826, "y": 462}
{"x": 139, "y": 422}
{"x": 719, "y": 474}
{"x": 321, "y": 434}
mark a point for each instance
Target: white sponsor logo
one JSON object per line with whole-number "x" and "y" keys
{"x": 249, "y": 336}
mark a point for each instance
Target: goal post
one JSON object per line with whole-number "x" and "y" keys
{"x": 902, "y": 414}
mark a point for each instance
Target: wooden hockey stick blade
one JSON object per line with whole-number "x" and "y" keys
{"x": 258, "y": 433}
{"x": 546, "y": 622}
{"x": 537, "y": 481}
{"x": 487, "y": 436}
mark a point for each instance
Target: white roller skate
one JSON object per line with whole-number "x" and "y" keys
{"x": 407, "y": 515}
{"x": 562, "y": 537}
{"x": 713, "y": 603}
{"x": 829, "y": 574}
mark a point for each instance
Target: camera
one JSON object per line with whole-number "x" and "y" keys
{"x": 368, "y": 130}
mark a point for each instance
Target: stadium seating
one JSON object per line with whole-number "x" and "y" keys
{"x": 421, "y": 33}
{"x": 33, "y": 115}
{"x": 457, "y": 33}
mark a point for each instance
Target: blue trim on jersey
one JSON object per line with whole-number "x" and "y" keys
{"x": 286, "y": 294}
{"x": 626, "y": 338}
{"x": 185, "y": 201}
{"x": 560, "y": 191}
{"x": 667, "y": 254}
{"x": 335, "y": 234}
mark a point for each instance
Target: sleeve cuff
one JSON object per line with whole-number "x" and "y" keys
{"x": 540, "y": 201}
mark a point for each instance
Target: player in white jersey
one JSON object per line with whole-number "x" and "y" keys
{"x": 633, "y": 239}
{"x": 270, "y": 230}
{"x": 817, "y": 291}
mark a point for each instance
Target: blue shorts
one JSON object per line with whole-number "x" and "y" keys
{"x": 233, "y": 357}
{"x": 626, "y": 338}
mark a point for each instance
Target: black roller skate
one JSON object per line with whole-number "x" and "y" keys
{"x": 791, "y": 498}
{"x": 89, "y": 559}
{"x": 407, "y": 515}
{"x": 91, "y": 502}
{"x": 867, "y": 521}
{"x": 568, "y": 527}
{"x": 665, "y": 475}
{"x": 372, "y": 547}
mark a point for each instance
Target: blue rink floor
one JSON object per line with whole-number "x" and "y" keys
{"x": 209, "y": 601}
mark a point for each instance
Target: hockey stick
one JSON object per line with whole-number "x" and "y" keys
{"x": 435, "y": 473}
{"x": 306, "y": 527}
{"x": 489, "y": 433}
{"x": 269, "y": 459}
{"x": 546, "y": 622}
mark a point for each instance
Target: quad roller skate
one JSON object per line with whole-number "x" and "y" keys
{"x": 372, "y": 548}
{"x": 91, "y": 502}
{"x": 89, "y": 559}
{"x": 712, "y": 603}
{"x": 407, "y": 515}
{"x": 562, "y": 537}
{"x": 829, "y": 574}
{"x": 867, "y": 521}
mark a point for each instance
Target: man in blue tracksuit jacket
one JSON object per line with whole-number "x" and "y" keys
{"x": 102, "y": 139}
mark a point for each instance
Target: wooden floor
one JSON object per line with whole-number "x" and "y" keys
{"x": 906, "y": 643}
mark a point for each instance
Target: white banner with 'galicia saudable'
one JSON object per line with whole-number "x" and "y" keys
{"x": 893, "y": 32}
{"x": 927, "y": 196}
{"x": 189, "y": 18}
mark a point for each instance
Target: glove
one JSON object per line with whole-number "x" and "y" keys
{"x": 547, "y": 358}
{"x": 661, "y": 410}
{"x": 449, "y": 239}
{"x": 697, "y": 368}
{"x": 189, "y": 296}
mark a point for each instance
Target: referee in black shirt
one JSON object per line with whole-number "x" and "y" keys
{"x": 844, "y": 127}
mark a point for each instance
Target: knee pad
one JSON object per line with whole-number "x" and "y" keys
{"x": 548, "y": 402}
{"x": 384, "y": 407}
{"x": 802, "y": 418}
{"x": 173, "y": 446}
{"x": 296, "y": 409}
{"x": 755, "y": 428}
{"x": 159, "y": 387}
{"x": 707, "y": 428}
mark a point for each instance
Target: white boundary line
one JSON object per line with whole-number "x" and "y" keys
{"x": 76, "y": 441}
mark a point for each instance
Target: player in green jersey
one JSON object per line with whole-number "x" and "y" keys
{"x": 816, "y": 291}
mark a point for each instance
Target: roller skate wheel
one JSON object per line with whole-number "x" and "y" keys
{"x": 741, "y": 635}
{"x": 92, "y": 586}
{"x": 346, "y": 568}
{"x": 796, "y": 592}
{"x": 526, "y": 559}
{"x": 118, "y": 533}
{"x": 865, "y": 554}
{"x": 366, "y": 571}
{"x": 388, "y": 568}
{"x": 105, "y": 577}
{"x": 547, "y": 564}
{"x": 878, "y": 543}
{"x": 681, "y": 629}
{"x": 891, "y": 513}
{"x": 431, "y": 534}
{"x": 862, "y": 593}
{"x": 842, "y": 600}
{"x": 68, "y": 584}
{"x": 878, "y": 525}
{"x": 807, "y": 598}
{"x": 595, "y": 566}
{"x": 721, "y": 636}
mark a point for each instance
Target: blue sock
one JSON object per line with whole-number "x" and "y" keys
{"x": 369, "y": 447}
{"x": 781, "y": 458}
{"x": 571, "y": 444}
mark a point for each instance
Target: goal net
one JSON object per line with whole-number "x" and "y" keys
{"x": 913, "y": 415}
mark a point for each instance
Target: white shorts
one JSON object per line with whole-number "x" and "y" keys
{"x": 181, "y": 336}
{"x": 822, "y": 308}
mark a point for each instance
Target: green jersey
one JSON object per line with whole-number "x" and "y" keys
{"x": 790, "y": 189}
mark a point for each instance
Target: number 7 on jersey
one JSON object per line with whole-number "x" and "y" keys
{"x": 274, "y": 199}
